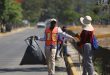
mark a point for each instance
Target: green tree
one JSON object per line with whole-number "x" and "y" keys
{"x": 2, "y": 2}
{"x": 63, "y": 10}
{"x": 32, "y": 9}
{"x": 12, "y": 12}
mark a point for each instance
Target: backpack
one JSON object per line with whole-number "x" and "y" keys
{"x": 95, "y": 43}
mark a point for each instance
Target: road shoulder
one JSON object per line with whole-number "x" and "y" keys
{"x": 13, "y": 31}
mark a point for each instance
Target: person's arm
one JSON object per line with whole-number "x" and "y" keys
{"x": 77, "y": 36}
{"x": 64, "y": 34}
{"x": 41, "y": 38}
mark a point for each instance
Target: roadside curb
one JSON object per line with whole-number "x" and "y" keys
{"x": 60, "y": 65}
{"x": 71, "y": 69}
{"x": 13, "y": 31}
{"x": 72, "y": 60}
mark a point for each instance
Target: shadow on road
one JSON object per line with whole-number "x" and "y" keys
{"x": 37, "y": 69}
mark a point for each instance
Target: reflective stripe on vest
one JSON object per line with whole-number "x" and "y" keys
{"x": 51, "y": 36}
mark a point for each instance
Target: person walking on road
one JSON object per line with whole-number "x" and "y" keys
{"x": 85, "y": 44}
{"x": 62, "y": 45}
{"x": 65, "y": 52}
{"x": 51, "y": 37}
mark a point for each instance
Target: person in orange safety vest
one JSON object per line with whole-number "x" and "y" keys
{"x": 51, "y": 37}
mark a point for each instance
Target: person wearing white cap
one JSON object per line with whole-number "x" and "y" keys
{"x": 51, "y": 37}
{"x": 85, "y": 44}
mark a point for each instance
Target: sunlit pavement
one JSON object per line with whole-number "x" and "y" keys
{"x": 12, "y": 49}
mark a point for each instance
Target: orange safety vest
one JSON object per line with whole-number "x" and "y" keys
{"x": 51, "y": 36}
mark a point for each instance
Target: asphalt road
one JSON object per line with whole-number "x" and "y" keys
{"x": 12, "y": 49}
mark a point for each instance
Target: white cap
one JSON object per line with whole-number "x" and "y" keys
{"x": 53, "y": 20}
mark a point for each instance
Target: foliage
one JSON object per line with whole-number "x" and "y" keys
{"x": 62, "y": 10}
{"x": 1, "y": 8}
{"x": 98, "y": 66}
{"x": 12, "y": 11}
{"x": 66, "y": 11}
{"x": 32, "y": 9}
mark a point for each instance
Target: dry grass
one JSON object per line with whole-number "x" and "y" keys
{"x": 102, "y": 32}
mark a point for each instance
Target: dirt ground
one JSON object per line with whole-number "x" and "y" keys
{"x": 102, "y": 29}
{"x": 105, "y": 41}
{"x": 99, "y": 30}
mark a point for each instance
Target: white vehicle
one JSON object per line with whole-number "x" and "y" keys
{"x": 41, "y": 24}
{"x": 26, "y": 22}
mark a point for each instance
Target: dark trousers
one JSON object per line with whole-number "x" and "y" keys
{"x": 88, "y": 68}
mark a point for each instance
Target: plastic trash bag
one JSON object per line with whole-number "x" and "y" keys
{"x": 33, "y": 54}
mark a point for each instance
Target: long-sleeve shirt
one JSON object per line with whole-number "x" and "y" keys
{"x": 85, "y": 37}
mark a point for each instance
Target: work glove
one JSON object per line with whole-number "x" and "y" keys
{"x": 76, "y": 35}
{"x": 36, "y": 37}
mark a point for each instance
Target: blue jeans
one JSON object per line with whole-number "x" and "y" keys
{"x": 64, "y": 49}
{"x": 87, "y": 59}
{"x": 61, "y": 49}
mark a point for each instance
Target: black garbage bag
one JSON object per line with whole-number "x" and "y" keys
{"x": 33, "y": 54}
